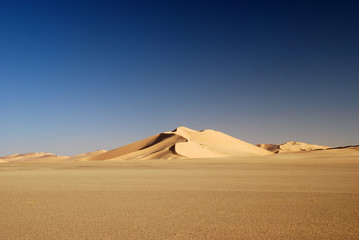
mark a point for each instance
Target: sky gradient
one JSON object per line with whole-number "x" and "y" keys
{"x": 77, "y": 76}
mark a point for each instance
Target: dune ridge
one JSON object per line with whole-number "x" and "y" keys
{"x": 183, "y": 142}
{"x": 35, "y": 156}
{"x": 291, "y": 147}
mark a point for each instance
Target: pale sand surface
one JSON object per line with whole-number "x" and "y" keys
{"x": 284, "y": 196}
{"x": 183, "y": 143}
{"x": 291, "y": 147}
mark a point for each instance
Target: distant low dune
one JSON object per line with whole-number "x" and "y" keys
{"x": 291, "y": 147}
{"x": 37, "y": 156}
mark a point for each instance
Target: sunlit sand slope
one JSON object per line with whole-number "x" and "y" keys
{"x": 183, "y": 143}
{"x": 291, "y": 147}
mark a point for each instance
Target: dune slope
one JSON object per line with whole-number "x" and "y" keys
{"x": 183, "y": 143}
{"x": 36, "y": 156}
{"x": 291, "y": 147}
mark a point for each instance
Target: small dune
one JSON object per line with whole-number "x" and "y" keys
{"x": 291, "y": 147}
{"x": 36, "y": 156}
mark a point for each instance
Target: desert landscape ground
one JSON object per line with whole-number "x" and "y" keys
{"x": 291, "y": 195}
{"x": 97, "y": 98}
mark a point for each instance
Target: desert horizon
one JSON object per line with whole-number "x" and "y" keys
{"x": 183, "y": 143}
{"x": 183, "y": 184}
{"x": 179, "y": 120}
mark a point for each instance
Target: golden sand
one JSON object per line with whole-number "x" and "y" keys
{"x": 283, "y": 196}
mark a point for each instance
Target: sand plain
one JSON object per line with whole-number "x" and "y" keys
{"x": 282, "y": 196}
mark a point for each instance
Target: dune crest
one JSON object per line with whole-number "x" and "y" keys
{"x": 184, "y": 143}
{"x": 351, "y": 149}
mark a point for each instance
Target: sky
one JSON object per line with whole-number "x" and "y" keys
{"x": 77, "y": 76}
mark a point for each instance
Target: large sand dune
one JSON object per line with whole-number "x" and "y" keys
{"x": 183, "y": 143}
{"x": 179, "y": 143}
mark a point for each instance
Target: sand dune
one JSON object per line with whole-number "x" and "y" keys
{"x": 183, "y": 143}
{"x": 37, "y": 156}
{"x": 291, "y": 147}
{"x": 303, "y": 193}
{"x": 347, "y": 150}
{"x": 47, "y": 157}
{"x": 85, "y": 155}
{"x": 352, "y": 147}
{"x": 28, "y": 155}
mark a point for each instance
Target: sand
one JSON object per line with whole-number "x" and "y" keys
{"x": 280, "y": 196}
{"x": 182, "y": 143}
{"x": 32, "y": 157}
{"x": 291, "y": 147}
{"x": 183, "y": 184}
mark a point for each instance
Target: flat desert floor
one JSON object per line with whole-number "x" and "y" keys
{"x": 275, "y": 197}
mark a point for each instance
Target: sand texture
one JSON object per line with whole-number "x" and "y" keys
{"x": 183, "y": 184}
{"x": 281, "y": 196}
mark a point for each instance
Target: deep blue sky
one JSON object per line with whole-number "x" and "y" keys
{"x": 76, "y": 76}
